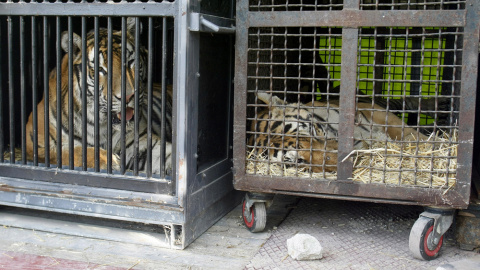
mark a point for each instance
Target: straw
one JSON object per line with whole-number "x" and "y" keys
{"x": 430, "y": 163}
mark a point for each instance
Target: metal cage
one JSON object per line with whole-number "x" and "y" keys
{"x": 119, "y": 110}
{"x": 357, "y": 99}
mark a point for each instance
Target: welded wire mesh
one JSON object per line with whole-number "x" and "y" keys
{"x": 411, "y": 75}
{"x": 289, "y": 69}
{"x": 408, "y": 91}
{"x": 295, "y": 5}
{"x": 412, "y": 4}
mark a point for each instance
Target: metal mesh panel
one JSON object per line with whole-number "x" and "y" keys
{"x": 295, "y": 5}
{"x": 411, "y": 75}
{"x": 290, "y": 69}
{"x": 408, "y": 82}
{"x": 411, "y": 4}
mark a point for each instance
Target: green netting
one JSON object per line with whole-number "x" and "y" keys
{"x": 403, "y": 65}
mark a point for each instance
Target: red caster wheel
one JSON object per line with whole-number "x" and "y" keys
{"x": 422, "y": 241}
{"x": 254, "y": 217}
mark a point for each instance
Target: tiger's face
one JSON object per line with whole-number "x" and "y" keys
{"x": 317, "y": 154}
{"x": 294, "y": 136}
{"x": 116, "y": 72}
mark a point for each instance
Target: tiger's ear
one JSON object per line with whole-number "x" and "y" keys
{"x": 76, "y": 42}
{"x": 131, "y": 25}
{"x": 269, "y": 99}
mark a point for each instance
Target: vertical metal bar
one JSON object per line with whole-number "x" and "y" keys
{"x": 45, "y": 91}
{"x": 164, "y": 98}
{"x": 71, "y": 160}
{"x": 84, "y": 93}
{"x": 415, "y": 66}
{"x": 34, "y": 92}
{"x": 109, "y": 96}
{"x": 22, "y": 91}
{"x": 347, "y": 101}
{"x": 11, "y": 100}
{"x": 150, "y": 97}
{"x": 379, "y": 59}
{"x": 240, "y": 92}
{"x": 2, "y": 138}
{"x": 137, "y": 91}
{"x": 467, "y": 99}
{"x": 96, "y": 99}
{"x": 59, "y": 94}
{"x": 123, "y": 95}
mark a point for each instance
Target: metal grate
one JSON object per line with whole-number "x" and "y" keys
{"x": 295, "y": 5}
{"x": 413, "y": 74}
{"x": 410, "y": 73}
{"x": 288, "y": 70}
{"x": 412, "y": 4}
{"x": 358, "y": 104}
{"x": 408, "y": 88}
{"x": 120, "y": 126}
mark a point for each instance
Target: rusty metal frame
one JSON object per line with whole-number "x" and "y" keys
{"x": 351, "y": 18}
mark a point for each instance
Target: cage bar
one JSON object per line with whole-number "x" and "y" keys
{"x": 71, "y": 158}
{"x": 23, "y": 90}
{"x": 59, "y": 93}
{"x": 123, "y": 155}
{"x": 109, "y": 94}
{"x": 2, "y": 138}
{"x": 136, "y": 90}
{"x": 150, "y": 97}
{"x": 84, "y": 96}
{"x": 10, "y": 90}
{"x": 96, "y": 94}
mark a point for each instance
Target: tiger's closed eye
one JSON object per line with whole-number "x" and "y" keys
{"x": 102, "y": 71}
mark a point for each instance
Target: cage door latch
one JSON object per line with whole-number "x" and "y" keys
{"x": 211, "y": 24}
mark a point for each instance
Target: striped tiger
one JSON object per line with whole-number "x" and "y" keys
{"x": 306, "y": 134}
{"x": 103, "y": 116}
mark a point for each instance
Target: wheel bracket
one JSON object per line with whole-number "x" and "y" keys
{"x": 251, "y": 198}
{"x": 443, "y": 219}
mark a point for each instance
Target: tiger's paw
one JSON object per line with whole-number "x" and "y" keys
{"x": 103, "y": 161}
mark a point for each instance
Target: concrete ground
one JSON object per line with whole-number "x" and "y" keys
{"x": 354, "y": 236}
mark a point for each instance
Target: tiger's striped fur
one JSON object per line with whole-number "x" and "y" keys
{"x": 307, "y": 133}
{"x": 292, "y": 134}
{"x": 103, "y": 116}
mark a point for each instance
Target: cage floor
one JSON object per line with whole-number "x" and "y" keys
{"x": 353, "y": 235}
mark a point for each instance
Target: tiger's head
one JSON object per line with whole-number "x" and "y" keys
{"x": 103, "y": 72}
{"x": 293, "y": 135}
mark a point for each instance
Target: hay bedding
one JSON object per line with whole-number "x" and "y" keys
{"x": 432, "y": 163}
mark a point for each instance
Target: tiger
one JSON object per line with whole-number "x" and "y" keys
{"x": 103, "y": 106}
{"x": 306, "y": 134}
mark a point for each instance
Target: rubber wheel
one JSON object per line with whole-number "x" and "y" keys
{"x": 254, "y": 218}
{"x": 421, "y": 230}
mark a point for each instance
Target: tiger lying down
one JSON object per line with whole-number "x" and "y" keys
{"x": 306, "y": 134}
{"x": 103, "y": 119}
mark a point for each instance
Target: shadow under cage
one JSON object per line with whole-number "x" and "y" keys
{"x": 108, "y": 113}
